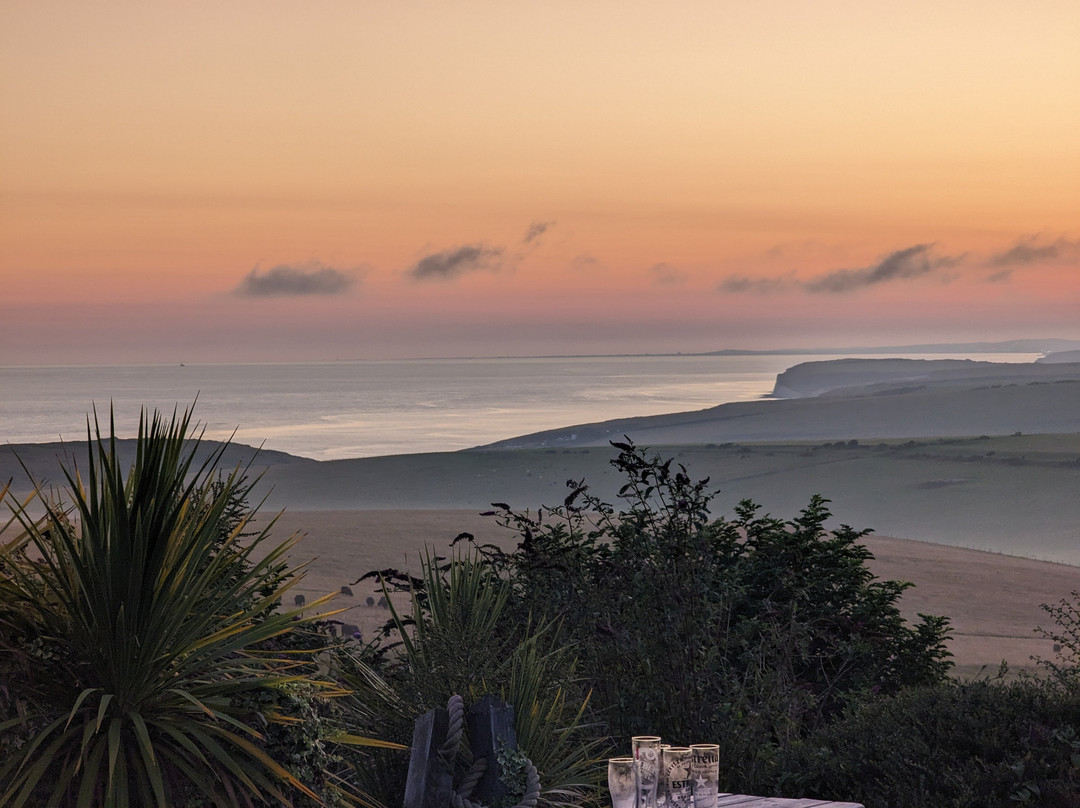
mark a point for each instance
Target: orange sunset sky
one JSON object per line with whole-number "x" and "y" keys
{"x": 342, "y": 179}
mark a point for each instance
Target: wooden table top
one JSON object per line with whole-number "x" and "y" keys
{"x": 747, "y": 801}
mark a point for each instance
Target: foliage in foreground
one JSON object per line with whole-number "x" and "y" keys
{"x": 140, "y": 643}
{"x": 143, "y": 659}
{"x": 752, "y": 630}
{"x": 977, "y": 744}
{"x": 770, "y": 636}
{"x": 453, "y": 640}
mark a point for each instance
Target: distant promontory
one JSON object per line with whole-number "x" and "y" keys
{"x": 861, "y": 398}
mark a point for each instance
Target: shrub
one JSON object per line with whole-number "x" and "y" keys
{"x": 754, "y": 630}
{"x": 1065, "y": 634}
{"x": 979, "y": 744}
{"x": 136, "y": 631}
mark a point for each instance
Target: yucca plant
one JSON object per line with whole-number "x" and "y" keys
{"x": 550, "y": 722}
{"x": 131, "y": 629}
{"x": 456, "y": 639}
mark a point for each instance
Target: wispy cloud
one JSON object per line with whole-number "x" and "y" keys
{"x": 911, "y": 262}
{"x": 1027, "y": 250}
{"x": 666, "y": 275}
{"x": 452, "y": 263}
{"x": 585, "y": 263}
{"x": 455, "y": 262}
{"x": 742, "y": 284}
{"x": 313, "y": 278}
{"x": 536, "y": 230}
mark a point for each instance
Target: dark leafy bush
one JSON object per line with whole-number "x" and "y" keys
{"x": 1064, "y": 668}
{"x": 979, "y": 744}
{"x": 753, "y": 630}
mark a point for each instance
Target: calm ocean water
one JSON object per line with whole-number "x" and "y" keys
{"x": 362, "y": 409}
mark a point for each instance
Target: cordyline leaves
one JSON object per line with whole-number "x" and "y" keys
{"x": 131, "y": 627}
{"x": 454, "y": 640}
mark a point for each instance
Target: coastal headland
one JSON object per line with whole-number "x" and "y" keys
{"x": 975, "y": 466}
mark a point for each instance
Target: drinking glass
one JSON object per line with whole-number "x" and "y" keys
{"x": 677, "y": 785}
{"x": 647, "y": 755}
{"x": 705, "y": 773}
{"x": 622, "y": 782}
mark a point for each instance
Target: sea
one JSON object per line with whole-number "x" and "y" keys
{"x": 334, "y": 410}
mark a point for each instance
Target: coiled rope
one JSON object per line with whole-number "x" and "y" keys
{"x": 454, "y": 730}
{"x": 448, "y": 752}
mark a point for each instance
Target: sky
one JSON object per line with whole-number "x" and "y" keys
{"x": 272, "y": 180}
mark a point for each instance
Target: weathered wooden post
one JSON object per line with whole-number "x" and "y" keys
{"x": 430, "y": 783}
{"x": 490, "y": 726}
{"x": 437, "y": 738}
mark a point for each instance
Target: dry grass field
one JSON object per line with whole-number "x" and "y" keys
{"x": 993, "y": 600}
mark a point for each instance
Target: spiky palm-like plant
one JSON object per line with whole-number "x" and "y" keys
{"x": 456, "y": 640}
{"x": 130, "y": 629}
